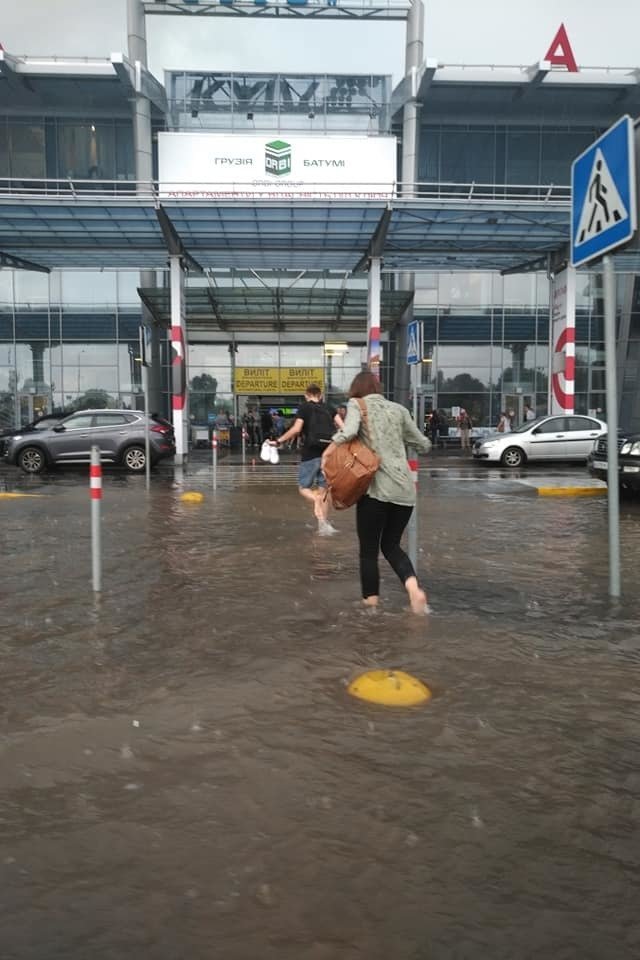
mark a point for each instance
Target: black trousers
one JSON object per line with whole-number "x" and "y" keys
{"x": 380, "y": 526}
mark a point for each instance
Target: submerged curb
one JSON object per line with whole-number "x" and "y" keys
{"x": 571, "y": 491}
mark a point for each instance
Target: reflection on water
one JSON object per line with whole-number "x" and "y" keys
{"x": 183, "y": 775}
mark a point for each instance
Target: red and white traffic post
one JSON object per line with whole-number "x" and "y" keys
{"x": 95, "y": 493}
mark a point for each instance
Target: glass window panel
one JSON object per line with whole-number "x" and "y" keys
{"x": 128, "y": 282}
{"x": 4, "y": 148}
{"x": 128, "y": 324}
{"x": 468, "y": 289}
{"x": 32, "y": 326}
{"x": 31, "y": 288}
{"x": 84, "y": 378}
{"x": 89, "y": 287}
{"x": 477, "y": 405}
{"x": 559, "y": 149}
{"x": 520, "y": 290}
{"x": 464, "y": 327}
{"x": 26, "y": 150}
{"x": 125, "y": 163}
{"x": 6, "y": 326}
{"x": 471, "y": 359}
{"x": 519, "y": 326}
{"x": 257, "y": 355}
{"x": 85, "y": 325}
{"x": 467, "y": 155}
{"x": 86, "y": 151}
{"x": 210, "y": 355}
{"x": 210, "y": 379}
{"x": 523, "y": 150}
{"x": 129, "y": 368}
{"x": 91, "y": 354}
{"x": 307, "y": 355}
{"x": 6, "y": 285}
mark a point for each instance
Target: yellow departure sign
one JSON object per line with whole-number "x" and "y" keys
{"x": 276, "y": 380}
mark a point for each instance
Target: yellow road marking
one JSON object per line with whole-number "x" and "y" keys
{"x": 571, "y": 491}
{"x": 14, "y": 496}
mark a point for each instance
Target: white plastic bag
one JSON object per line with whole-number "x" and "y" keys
{"x": 275, "y": 456}
{"x": 265, "y": 452}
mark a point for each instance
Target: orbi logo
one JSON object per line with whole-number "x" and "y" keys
{"x": 277, "y": 158}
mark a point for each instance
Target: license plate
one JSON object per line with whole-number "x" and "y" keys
{"x": 599, "y": 464}
{"x": 631, "y": 469}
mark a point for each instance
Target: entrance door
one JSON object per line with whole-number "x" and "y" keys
{"x": 31, "y": 406}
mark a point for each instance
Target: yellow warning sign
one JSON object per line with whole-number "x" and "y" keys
{"x": 274, "y": 380}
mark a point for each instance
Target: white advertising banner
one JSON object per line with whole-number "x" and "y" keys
{"x": 235, "y": 166}
{"x": 563, "y": 342}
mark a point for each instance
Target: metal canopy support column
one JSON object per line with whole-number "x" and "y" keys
{"x": 179, "y": 399}
{"x": 410, "y": 146}
{"x": 373, "y": 316}
{"x": 141, "y": 115}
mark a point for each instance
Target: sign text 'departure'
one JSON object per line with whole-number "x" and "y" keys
{"x": 276, "y": 380}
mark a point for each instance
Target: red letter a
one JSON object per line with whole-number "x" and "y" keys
{"x": 560, "y": 53}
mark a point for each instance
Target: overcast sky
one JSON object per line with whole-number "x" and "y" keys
{"x": 456, "y": 31}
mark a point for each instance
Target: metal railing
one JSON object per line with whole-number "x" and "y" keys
{"x": 263, "y": 190}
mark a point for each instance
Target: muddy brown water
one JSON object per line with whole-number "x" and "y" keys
{"x": 183, "y": 775}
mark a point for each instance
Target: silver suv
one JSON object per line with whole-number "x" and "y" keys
{"x": 118, "y": 433}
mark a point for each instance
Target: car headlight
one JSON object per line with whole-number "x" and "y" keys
{"x": 632, "y": 448}
{"x": 490, "y": 443}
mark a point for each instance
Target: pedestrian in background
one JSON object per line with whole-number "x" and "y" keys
{"x": 529, "y": 413}
{"x": 464, "y": 425}
{"x": 384, "y": 511}
{"x": 504, "y": 424}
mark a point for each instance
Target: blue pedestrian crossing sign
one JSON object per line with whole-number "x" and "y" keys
{"x": 603, "y": 192}
{"x": 414, "y": 342}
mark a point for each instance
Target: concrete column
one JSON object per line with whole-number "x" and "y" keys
{"x": 179, "y": 392}
{"x": 373, "y": 316}
{"x": 142, "y": 146}
{"x": 414, "y": 55}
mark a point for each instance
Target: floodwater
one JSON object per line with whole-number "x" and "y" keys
{"x": 183, "y": 774}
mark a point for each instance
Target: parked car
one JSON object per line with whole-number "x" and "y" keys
{"x": 628, "y": 460}
{"x": 547, "y": 438}
{"x": 120, "y": 434}
{"x": 40, "y": 423}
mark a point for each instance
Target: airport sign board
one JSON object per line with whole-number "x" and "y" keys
{"x": 219, "y": 166}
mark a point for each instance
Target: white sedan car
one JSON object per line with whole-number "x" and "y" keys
{"x": 547, "y": 438}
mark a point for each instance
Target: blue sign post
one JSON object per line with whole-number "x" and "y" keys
{"x": 414, "y": 342}
{"x": 603, "y": 194}
{"x": 603, "y": 216}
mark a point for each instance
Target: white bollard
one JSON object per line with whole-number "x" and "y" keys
{"x": 244, "y": 446}
{"x": 214, "y": 452}
{"x": 95, "y": 492}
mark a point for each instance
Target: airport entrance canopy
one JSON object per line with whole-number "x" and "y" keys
{"x": 58, "y": 224}
{"x": 293, "y": 309}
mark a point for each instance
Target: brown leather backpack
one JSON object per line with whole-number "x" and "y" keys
{"x": 349, "y": 468}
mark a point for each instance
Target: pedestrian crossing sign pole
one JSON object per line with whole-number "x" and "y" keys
{"x": 603, "y": 217}
{"x": 603, "y": 194}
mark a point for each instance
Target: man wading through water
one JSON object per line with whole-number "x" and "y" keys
{"x": 316, "y": 422}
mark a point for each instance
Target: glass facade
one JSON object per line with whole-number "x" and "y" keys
{"x": 67, "y": 340}
{"x": 58, "y": 148}
{"x": 501, "y": 154}
{"x": 487, "y": 342}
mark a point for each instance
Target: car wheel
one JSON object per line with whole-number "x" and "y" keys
{"x": 512, "y": 457}
{"x": 135, "y": 459}
{"x": 32, "y": 460}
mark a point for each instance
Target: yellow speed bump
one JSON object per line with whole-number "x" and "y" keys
{"x": 571, "y": 491}
{"x": 392, "y": 688}
{"x": 14, "y": 496}
{"x": 192, "y": 496}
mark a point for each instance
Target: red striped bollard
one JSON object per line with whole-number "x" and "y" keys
{"x": 95, "y": 493}
{"x": 412, "y": 532}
